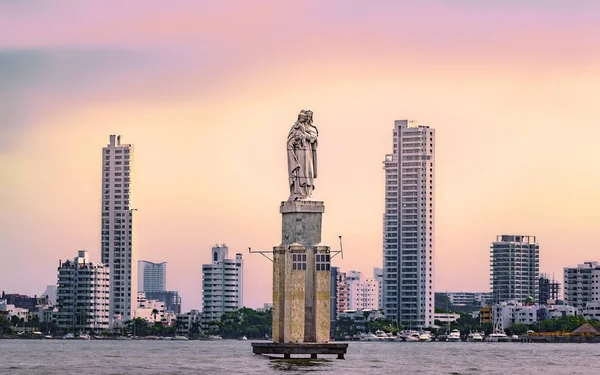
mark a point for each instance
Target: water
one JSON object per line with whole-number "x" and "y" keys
{"x": 43, "y": 357}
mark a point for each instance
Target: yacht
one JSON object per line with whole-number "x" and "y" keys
{"x": 475, "y": 337}
{"x": 497, "y": 336}
{"x": 408, "y": 336}
{"x": 383, "y": 336}
{"x": 181, "y": 338}
{"x": 214, "y": 337}
{"x": 369, "y": 337}
{"x": 425, "y": 336}
{"x": 454, "y": 336}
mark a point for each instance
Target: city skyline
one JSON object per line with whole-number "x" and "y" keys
{"x": 500, "y": 84}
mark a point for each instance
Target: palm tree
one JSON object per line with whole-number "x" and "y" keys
{"x": 154, "y": 313}
{"x": 178, "y": 324}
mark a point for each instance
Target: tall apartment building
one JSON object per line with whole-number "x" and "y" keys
{"x": 341, "y": 293}
{"x": 362, "y": 292}
{"x": 582, "y": 284}
{"x": 378, "y": 275}
{"x": 515, "y": 267}
{"x": 83, "y": 294}
{"x": 409, "y": 226}
{"x": 152, "y": 277}
{"x": 117, "y": 229}
{"x": 222, "y": 285}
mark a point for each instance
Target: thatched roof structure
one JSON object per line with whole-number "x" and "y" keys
{"x": 585, "y": 329}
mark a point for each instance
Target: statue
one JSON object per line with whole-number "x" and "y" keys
{"x": 302, "y": 156}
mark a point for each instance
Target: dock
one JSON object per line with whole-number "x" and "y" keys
{"x": 289, "y": 349}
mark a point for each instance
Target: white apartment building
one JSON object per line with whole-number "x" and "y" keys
{"x": 362, "y": 292}
{"x": 469, "y": 299}
{"x": 151, "y": 310}
{"x": 515, "y": 268}
{"x": 378, "y": 275}
{"x": 12, "y": 310}
{"x": 514, "y": 312}
{"x": 222, "y": 285}
{"x": 409, "y": 226}
{"x": 83, "y": 294}
{"x": 152, "y": 277}
{"x": 582, "y": 284}
{"x": 117, "y": 229}
{"x": 341, "y": 293}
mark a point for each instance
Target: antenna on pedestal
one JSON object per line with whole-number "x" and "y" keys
{"x": 340, "y": 251}
{"x": 261, "y": 252}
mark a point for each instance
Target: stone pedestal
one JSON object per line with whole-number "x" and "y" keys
{"x": 301, "y": 277}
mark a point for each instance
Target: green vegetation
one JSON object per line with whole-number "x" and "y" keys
{"x": 244, "y": 322}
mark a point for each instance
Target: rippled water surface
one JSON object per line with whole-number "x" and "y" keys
{"x": 235, "y": 357}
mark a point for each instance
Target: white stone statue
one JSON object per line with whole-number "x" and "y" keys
{"x": 302, "y": 156}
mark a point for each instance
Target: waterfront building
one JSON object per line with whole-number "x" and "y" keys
{"x": 83, "y": 294}
{"x": 152, "y": 277}
{"x": 469, "y": 299}
{"x": 11, "y": 310}
{"x": 549, "y": 289}
{"x": 222, "y": 285}
{"x": 514, "y": 312}
{"x": 378, "y": 275}
{"x": 361, "y": 317}
{"x": 409, "y": 226}
{"x": 341, "y": 293}
{"x": 171, "y": 299}
{"x": 362, "y": 292}
{"x": 117, "y": 229}
{"x": 582, "y": 284}
{"x": 446, "y": 317}
{"x": 151, "y": 310}
{"x": 515, "y": 265}
{"x": 189, "y": 321}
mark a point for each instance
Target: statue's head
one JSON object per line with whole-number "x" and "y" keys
{"x": 309, "y": 115}
{"x": 302, "y": 116}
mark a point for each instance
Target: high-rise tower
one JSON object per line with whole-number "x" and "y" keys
{"x": 409, "y": 226}
{"x": 117, "y": 229}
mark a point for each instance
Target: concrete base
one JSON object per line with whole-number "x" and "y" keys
{"x": 287, "y": 349}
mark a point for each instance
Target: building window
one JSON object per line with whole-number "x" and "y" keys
{"x": 299, "y": 262}
{"x": 323, "y": 262}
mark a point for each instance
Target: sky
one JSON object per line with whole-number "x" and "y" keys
{"x": 206, "y": 91}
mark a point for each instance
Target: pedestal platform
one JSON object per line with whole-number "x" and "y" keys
{"x": 312, "y": 348}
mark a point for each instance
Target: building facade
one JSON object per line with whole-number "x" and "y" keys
{"x": 171, "y": 299}
{"x": 362, "y": 292}
{"x": 409, "y": 226}
{"x": 83, "y": 290}
{"x": 549, "y": 289}
{"x": 222, "y": 285}
{"x": 117, "y": 229}
{"x": 469, "y": 299}
{"x": 378, "y": 275}
{"x": 341, "y": 293}
{"x": 515, "y": 267}
{"x": 582, "y": 284}
{"x": 152, "y": 277}
{"x": 333, "y": 276}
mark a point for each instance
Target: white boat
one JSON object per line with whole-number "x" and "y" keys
{"x": 214, "y": 337}
{"x": 180, "y": 338}
{"x": 69, "y": 336}
{"x": 243, "y": 338}
{"x": 454, "y": 336}
{"x": 383, "y": 336}
{"x": 497, "y": 336}
{"x": 83, "y": 337}
{"x": 474, "y": 337}
{"x": 369, "y": 337}
{"x": 425, "y": 336}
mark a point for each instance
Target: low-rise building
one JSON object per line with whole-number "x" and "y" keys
{"x": 151, "y": 310}
{"x": 188, "y": 322}
{"x": 446, "y": 317}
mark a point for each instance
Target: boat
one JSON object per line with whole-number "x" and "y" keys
{"x": 425, "y": 336}
{"x": 214, "y": 337}
{"x": 69, "y": 336}
{"x": 454, "y": 336}
{"x": 243, "y": 338}
{"x": 383, "y": 336}
{"x": 83, "y": 337}
{"x": 475, "y": 337}
{"x": 408, "y": 336}
{"x": 368, "y": 337}
{"x": 180, "y": 338}
{"x": 497, "y": 336}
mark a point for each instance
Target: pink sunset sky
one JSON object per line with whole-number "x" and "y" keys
{"x": 207, "y": 91}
